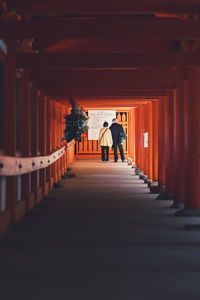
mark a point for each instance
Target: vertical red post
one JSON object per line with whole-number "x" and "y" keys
{"x": 155, "y": 141}
{"x": 161, "y": 149}
{"x": 141, "y": 137}
{"x": 26, "y": 138}
{"x": 192, "y": 143}
{"x": 169, "y": 143}
{"x": 168, "y": 146}
{"x": 59, "y": 120}
{"x": 161, "y": 144}
{"x": 35, "y": 187}
{"x": 146, "y": 131}
{"x": 10, "y": 125}
{"x": 179, "y": 147}
{"x": 54, "y": 120}
{"x": 131, "y": 146}
{"x": 49, "y": 141}
{"x": 150, "y": 141}
{"x": 137, "y": 139}
{"x": 43, "y": 141}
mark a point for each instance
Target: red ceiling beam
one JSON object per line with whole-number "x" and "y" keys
{"x": 105, "y": 45}
{"x": 71, "y": 88}
{"x": 108, "y": 60}
{"x": 72, "y": 78}
{"x": 61, "y": 91}
{"x": 135, "y": 28}
{"x": 108, "y": 102}
{"x": 109, "y": 94}
{"x": 105, "y": 7}
{"x": 112, "y": 94}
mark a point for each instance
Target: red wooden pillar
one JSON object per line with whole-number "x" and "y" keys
{"x": 161, "y": 144}
{"x": 150, "y": 141}
{"x": 155, "y": 140}
{"x": 25, "y": 132}
{"x": 54, "y": 120}
{"x": 68, "y": 111}
{"x": 137, "y": 139}
{"x": 43, "y": 140}
{"x": 179, "y": 147}
{"x": 146, "y": 148}
{"x": 161, "y": 149}
{"x": 141, "y": 137}
{"x": 49, "y": 135}
{"x": 192, "y": 144}
{"x": 169, "y": 142}
{"x": 35, "y": 185}
{"x": 59, "y": 119}
{"x": 168, "y": 146}
{"x": 131, "y": 146}
{"x": 64, "y": 159}
{"x": 10, "y": 126}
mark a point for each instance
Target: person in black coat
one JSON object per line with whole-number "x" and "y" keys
{"x": 118, "y": 136}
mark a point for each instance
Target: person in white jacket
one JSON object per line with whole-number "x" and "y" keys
{"x": 105, "y": 141}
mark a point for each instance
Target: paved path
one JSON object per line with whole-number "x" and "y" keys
{"x": 104, "y": 237}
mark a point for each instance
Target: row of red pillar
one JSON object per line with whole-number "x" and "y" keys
{"x": 32, "y": 126}
{"x": 172, "y": 158}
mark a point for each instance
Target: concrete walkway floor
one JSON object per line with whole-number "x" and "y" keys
{"x": 103, "y": 237}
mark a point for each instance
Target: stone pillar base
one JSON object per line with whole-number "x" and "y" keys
{"x": 138, "y": 172}
{"x": 159, "y": 189}
{"x": 143, "y": 177}
{"x": 165, "y": 196}
{"x": 195, "y": 212}
{"x": 58, "y": 184}
{"x": 176, "y": 205}
{"x": 147, "y": 180}
{"x": 152, "y": 183}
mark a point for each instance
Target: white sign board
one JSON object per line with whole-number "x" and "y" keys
{"x": 146, "y": 142}
{"x": 96, "y": 120}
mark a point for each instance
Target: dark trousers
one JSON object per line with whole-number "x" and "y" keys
{"x": 104, "y": 150}
{"x": 121, "y": 150}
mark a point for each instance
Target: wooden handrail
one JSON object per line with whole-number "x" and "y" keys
{"x": 15, "y": 166}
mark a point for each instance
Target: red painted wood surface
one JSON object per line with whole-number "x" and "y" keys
{"x": 169, "y": 142}
{"x": 132, "y": 134}
{"x": 144, "y": 28}
{"x": 150, "y": 141}
{"x": 155, "y": 140}
{"x": 104, "y": 8}
{"x": 161, "y": 143}
{"x": 179, "y": 145}
{"x": 192, "y": 141}
{"x": 146, "y": 149}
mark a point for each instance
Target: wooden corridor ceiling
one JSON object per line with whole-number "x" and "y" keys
{"x": 100, "y": 50}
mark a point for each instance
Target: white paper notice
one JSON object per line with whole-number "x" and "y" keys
{"x": 146, "y": 141}
{"x": 96, "y": 120}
